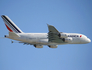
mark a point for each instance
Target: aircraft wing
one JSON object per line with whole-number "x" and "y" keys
{"x": 53, "y": 35}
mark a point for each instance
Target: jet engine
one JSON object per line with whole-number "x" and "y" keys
{"x": 38, "y": 46}
{"x": 68, "y": 39}
{"x": 52, "y": 46}
{"x": 63, "y": 35}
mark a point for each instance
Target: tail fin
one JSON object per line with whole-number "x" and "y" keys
{"x": 10, "y": 25}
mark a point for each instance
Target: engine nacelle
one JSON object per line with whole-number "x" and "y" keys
{"x": 68, "y": 40}
{"x": 38, "y": 46}
{"x": 52, "y": 46}
{"x": 63, "y": 35}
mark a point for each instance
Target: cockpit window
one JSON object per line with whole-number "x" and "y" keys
{"x": 85, "y": 36}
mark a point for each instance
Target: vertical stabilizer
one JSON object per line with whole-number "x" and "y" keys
{"x": 10, "y": 25}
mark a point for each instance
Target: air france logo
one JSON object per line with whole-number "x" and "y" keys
{"x": 80, "y": 35}
{"x": 74, "y": 36}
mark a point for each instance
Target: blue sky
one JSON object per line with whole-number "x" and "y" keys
{"x": 71, "y": 16}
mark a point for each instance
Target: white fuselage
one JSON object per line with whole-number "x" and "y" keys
{"x": 42, "y": 38}
{"x": 52, "y": 38}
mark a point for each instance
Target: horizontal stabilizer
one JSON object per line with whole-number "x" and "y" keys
{"x": 12, "y": 34}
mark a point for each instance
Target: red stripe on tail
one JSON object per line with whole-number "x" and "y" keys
{"x": 8, "y": 28}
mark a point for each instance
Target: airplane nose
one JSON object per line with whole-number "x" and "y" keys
{"x": 88, "y": 40}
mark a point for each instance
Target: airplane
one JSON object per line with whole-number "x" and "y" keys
{"x": 52, "y": 39}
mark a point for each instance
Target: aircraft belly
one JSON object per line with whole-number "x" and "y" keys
{"x": 37, "y": 41}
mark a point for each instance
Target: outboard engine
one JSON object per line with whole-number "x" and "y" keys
{"x": 38, "y": 46}
{"x": 63, "y": 35}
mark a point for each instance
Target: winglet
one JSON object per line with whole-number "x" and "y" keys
{"x": 52, "y": 28}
